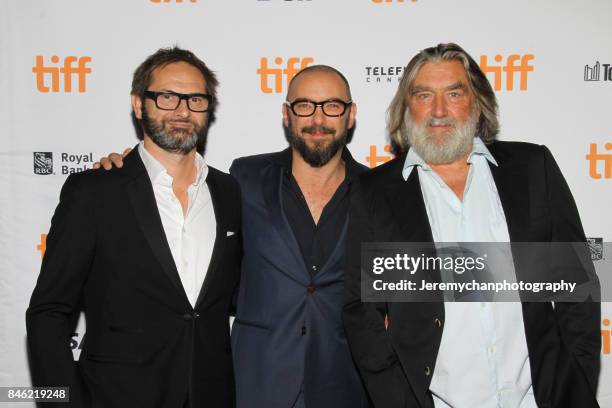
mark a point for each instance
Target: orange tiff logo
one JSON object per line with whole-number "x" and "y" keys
{"x": 68, "y": 70}
{"x": 514, "y": 63}
{"x": 42, "y": 246}
{"x": 606, "y": 336}
{"x": 595, "y": 158}
{"x": 374, "y": 159}
{"x": 172, "y": 1}
{"x": 291, "y": 67}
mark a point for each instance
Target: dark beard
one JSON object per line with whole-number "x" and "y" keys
{"x": 178, "y": 141}
{"x": 320, "y": 155}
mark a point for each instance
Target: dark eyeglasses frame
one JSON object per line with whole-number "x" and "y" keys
{"x": 154, "y": 95}
{"x": 319, "y": 104}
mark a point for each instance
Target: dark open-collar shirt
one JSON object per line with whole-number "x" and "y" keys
{"x": 317, "y": 241}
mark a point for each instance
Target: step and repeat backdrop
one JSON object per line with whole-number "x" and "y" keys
{"x": 66, "y": 68}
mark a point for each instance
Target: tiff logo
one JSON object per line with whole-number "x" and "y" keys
{"x": 593, "y": 74}
{"x": 67, "y": 70}
{"x": 606, "y": 336}
{"x": 172, "y": 1}
{"x": 594, "y": 158}
{"x": 43, "y": 163}
{"x": 292, "y": 67}
{"x": 509, "y": 68}
{"x": 374, "y": 159}
{"x": 42, "y": 247}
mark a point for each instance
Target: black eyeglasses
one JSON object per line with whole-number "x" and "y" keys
{"x": 196, "y": 102}
{"x": 330, "y": 107}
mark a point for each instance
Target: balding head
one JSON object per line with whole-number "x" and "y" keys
{"x": 317, "y": 69}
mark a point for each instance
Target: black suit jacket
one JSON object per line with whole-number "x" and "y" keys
{"x": 397, "y": 364}
{"x": 145, "y": 346}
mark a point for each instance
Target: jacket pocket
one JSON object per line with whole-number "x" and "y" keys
{"x": 251, "y": 324}
{"x": 98, "y": 358}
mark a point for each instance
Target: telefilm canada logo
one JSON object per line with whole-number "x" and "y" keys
{"x": 69, "y": 162}
{"x": 597, "y": 72}
{"x": 383, "y": 74}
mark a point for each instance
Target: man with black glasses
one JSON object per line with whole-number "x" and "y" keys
{"x": 151, "y": 251}
{"x": 288, "y": 340}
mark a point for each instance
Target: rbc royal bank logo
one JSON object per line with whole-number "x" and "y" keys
{"x": 69, "y": 163}
{"x": 43, "y": 163}
{"x": 596, "y": 248}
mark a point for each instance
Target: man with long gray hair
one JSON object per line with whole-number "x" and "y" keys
{"x": 453, "y": 182}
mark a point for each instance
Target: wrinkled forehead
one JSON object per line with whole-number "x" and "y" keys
{"x": 440, "y": 74}
{"x": 318, "y": 85}
{"x": 178, "y": 75}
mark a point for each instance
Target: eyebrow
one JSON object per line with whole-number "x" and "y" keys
{"x": 421, "y": 88}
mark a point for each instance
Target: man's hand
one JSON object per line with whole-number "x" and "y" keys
{"x": 113, "y": 159}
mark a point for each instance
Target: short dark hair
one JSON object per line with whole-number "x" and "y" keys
{"x": 323, "y": 68}
{"x": 165, "y": 56}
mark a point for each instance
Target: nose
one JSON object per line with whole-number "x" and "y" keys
{"x": 182, "y": 110}
{"x": 439, "y": 108}
{"x": 318, "y": 116}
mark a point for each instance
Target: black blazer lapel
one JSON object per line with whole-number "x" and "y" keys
{"x": 218, "y": 200}
{"x": 142, "y": 199}
{"x": 512, "y": 185}
{"x": 271, "y": 189}
{"x": 408, "y": 206}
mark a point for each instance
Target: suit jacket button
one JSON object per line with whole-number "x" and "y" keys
{"x": 438, "y": 322}
{"x": 187, "y": 317}
{"x": 311, "y": 289}
{"x": 427, "y": 371}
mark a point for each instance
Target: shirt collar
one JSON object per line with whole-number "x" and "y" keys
{"x": 414, "y": 160}
{"x": 157, "y": 172}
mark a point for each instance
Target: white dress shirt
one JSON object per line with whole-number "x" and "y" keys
{"x": 191, "y": 237}
{"x": 483, "y": 359}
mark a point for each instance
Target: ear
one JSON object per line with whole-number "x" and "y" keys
{"x": 352, "y": 115}
{"x": 285, "y": 115}
{"x": 137, "y": 106}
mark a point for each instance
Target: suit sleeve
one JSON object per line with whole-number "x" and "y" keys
{"x": 579, "y": 322}
{"x": 56, "y": 297}
{"x": 364, "y": 322}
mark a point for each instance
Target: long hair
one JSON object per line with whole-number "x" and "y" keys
{"x": 488, "y": 123}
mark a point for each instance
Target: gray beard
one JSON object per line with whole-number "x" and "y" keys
{"x": 444, "y": 148}
{"x": 178, "y": 141}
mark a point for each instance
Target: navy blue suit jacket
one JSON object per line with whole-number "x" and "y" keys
{"x": 288, "y": 331}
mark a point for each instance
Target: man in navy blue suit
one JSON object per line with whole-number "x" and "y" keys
{"x": 288, "y": 339}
